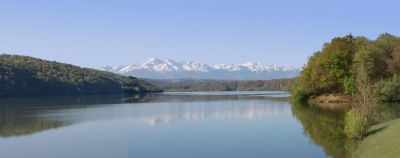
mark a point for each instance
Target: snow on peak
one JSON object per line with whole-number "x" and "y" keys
{"x": 254, "y": 66}
{"x": 129, "y": 68}
{"x": 157, "y": 65}
{"x": 195, "y": 66}
{"x": 251, "y": 63}
{"x": 228, "y": 67}
{"x": 167, "y": 65}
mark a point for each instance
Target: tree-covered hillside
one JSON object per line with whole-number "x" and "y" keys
{"x": 353, "y": 66}
{"x": 223, "y": 85}
{"x": 27, "y": 76}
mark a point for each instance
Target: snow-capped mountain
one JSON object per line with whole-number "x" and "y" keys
{"x": 168, "y": 69}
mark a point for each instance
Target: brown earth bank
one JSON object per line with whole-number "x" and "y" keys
{"x": 332, "y": 101}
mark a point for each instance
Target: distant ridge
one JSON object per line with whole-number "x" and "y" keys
{"x": 168, "y": 69}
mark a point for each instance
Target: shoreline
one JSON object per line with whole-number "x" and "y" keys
{"x": 332, "y": 101}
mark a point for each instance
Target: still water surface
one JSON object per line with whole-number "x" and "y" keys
{"x": 179, "y": 125}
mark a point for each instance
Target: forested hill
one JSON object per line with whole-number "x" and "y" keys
{"x": 27, "y": 76}
{"x": 222, "y": 85}
{"x": 353, "y": 66}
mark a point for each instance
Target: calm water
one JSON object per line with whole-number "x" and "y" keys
{"x": 216, "y": 124}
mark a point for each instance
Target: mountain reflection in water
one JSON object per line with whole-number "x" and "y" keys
{"x": 21, "y": 116}
{"x": 257, "y": 123}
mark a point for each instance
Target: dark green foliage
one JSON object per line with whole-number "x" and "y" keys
{"x": 373, "y": 58}
{"x": 389, "y": 90}
{"x": 328, "y": 70}
{"x": 349, "y": 85}
{"x": 27, "y": 76}
{"x": 334, "y": 69}
{"x": 324, "y": 127}
{"x": 209, "y": 85}
{"x": 394, "y": 62}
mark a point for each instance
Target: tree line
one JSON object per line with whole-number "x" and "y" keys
{"x": 28, "y": 76}
{"x": 367, "y": 70}
{"x": 250, "y": 85}
{"x": 348, "y": 65}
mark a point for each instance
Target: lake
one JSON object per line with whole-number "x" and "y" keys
{"x": 178, "y": 125}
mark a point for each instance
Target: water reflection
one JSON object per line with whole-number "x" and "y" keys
{"x": 235, "y": 125}
{"x": 24, "y": 116}
{"x": 71, "y": 101}
{"x": 324, "y": 127}
{"x": 385, "y": 112}
{"x": 227, "y": 109}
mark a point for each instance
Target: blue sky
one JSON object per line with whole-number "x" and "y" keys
{"x": 93, "y": 33}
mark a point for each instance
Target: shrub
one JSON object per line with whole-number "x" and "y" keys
{"x": 356, "y": 124}
{"x": 300, "y": 95}
{"x": 388, "y": 90}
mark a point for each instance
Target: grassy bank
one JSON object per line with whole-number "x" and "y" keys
{"x": 383, "y": 140}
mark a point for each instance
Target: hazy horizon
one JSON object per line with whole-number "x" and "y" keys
{"x": 96, "y": 33}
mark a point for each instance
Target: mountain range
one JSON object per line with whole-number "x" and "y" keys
{"x": 155, "y": 68}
